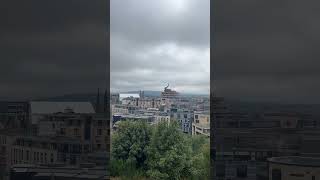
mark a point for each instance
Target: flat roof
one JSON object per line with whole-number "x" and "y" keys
{"x": 205, "y": 126}
{"x": 296, "y": 161}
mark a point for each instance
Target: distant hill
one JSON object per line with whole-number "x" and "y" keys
{"x": 146, "y": 93}
{"x": 158, "y": 93}
{"x": 91, "y": 97}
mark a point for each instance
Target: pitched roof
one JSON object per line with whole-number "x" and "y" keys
{"x": 46, "y": 107}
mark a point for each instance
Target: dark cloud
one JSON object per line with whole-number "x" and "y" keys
{"x": 52, "y": 47}
{"x": 267, "y": 50}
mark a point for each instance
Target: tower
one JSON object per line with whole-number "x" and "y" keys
{"x": 98, "y": 102}
{"x": 106, "y": 101}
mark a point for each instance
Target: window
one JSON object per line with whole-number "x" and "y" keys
{"x": 41, "y": 159}
{"x": 51, "y": 158}
{"x": 73, "y": 159}
{"x": 99, "y": 132}
{"x": 27, "y": 155}
{"x": 62, "y": 131}
{"x": 76, "y": 131}
{"x": 276, "y": 174}
{"x": 313, "y": 178}
{"x": 3, "y": 149}
{"x": 14, "y": 155}
{"x": 100, "y": 123}
{"x": 53, "y": 126}
{"x": 242, "y": 171}
{"x": 196, "y": 116}
{"x": 99, "y": 146}
{"x": 220, "y": 170}
{"x": 86, "y": 148}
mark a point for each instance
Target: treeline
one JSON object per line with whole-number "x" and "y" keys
{"x": 142, "y": 151}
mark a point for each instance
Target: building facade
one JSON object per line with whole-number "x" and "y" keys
{"x": 63, "y": 133}
{"x": 294, "y": 168}
{"x": 184, "y": 117}
{"x": 254, "y": 137}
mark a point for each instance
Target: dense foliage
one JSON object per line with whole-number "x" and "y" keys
{"x": 142, "y": 151}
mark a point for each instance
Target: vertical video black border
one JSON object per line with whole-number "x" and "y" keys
{"x": 212, "y": 126}
{"x": 107, "y": 88}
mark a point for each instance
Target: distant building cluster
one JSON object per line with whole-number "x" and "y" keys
{"x": 71, "y": 139}
{"x": 265, "y": 145}
{"x": 53, "y": 140}
{"x": 169, "y": 106}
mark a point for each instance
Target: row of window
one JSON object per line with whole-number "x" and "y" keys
{"x": 77, "y": 123}
{"x": 242, "y": 171}
{"x": 20, "y": 155}
{"x": 76, "y": 132}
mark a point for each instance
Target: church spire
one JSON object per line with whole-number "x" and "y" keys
{"x": 98, "y": 101}
{"x": 106, "y": 101}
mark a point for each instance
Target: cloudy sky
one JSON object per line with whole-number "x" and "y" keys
{"x": 262, "y": 50}
{"x": 158, "y": 42}
{"x": 267, "y": 50}
{"x": 51, "y": 48}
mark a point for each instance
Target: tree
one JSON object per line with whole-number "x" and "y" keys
{"x": 200, "y": 158}
{"x": 169, "y": 153}
{"x": 197, "y": 143}
{"x": 159, "y": 152}
{"x": 130, "y": 142}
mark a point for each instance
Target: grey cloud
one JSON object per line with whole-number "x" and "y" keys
{"x": 267, "y": 50}
{"x": 51, "y": 48}
{"x": 150, "y": 22}
{"x": 152, "y": 44}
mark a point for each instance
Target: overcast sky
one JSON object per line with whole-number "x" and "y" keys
{"x": 158, "y": 42}
{"x": 51, "y": 48}
{"x": 267, "y": 50}
{"x": 263, "y": 50}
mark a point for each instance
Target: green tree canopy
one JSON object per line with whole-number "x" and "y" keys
{"x": 169, "y": 153}
{"x": 143, "y": 151}
{"x": 130, "y": 142}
